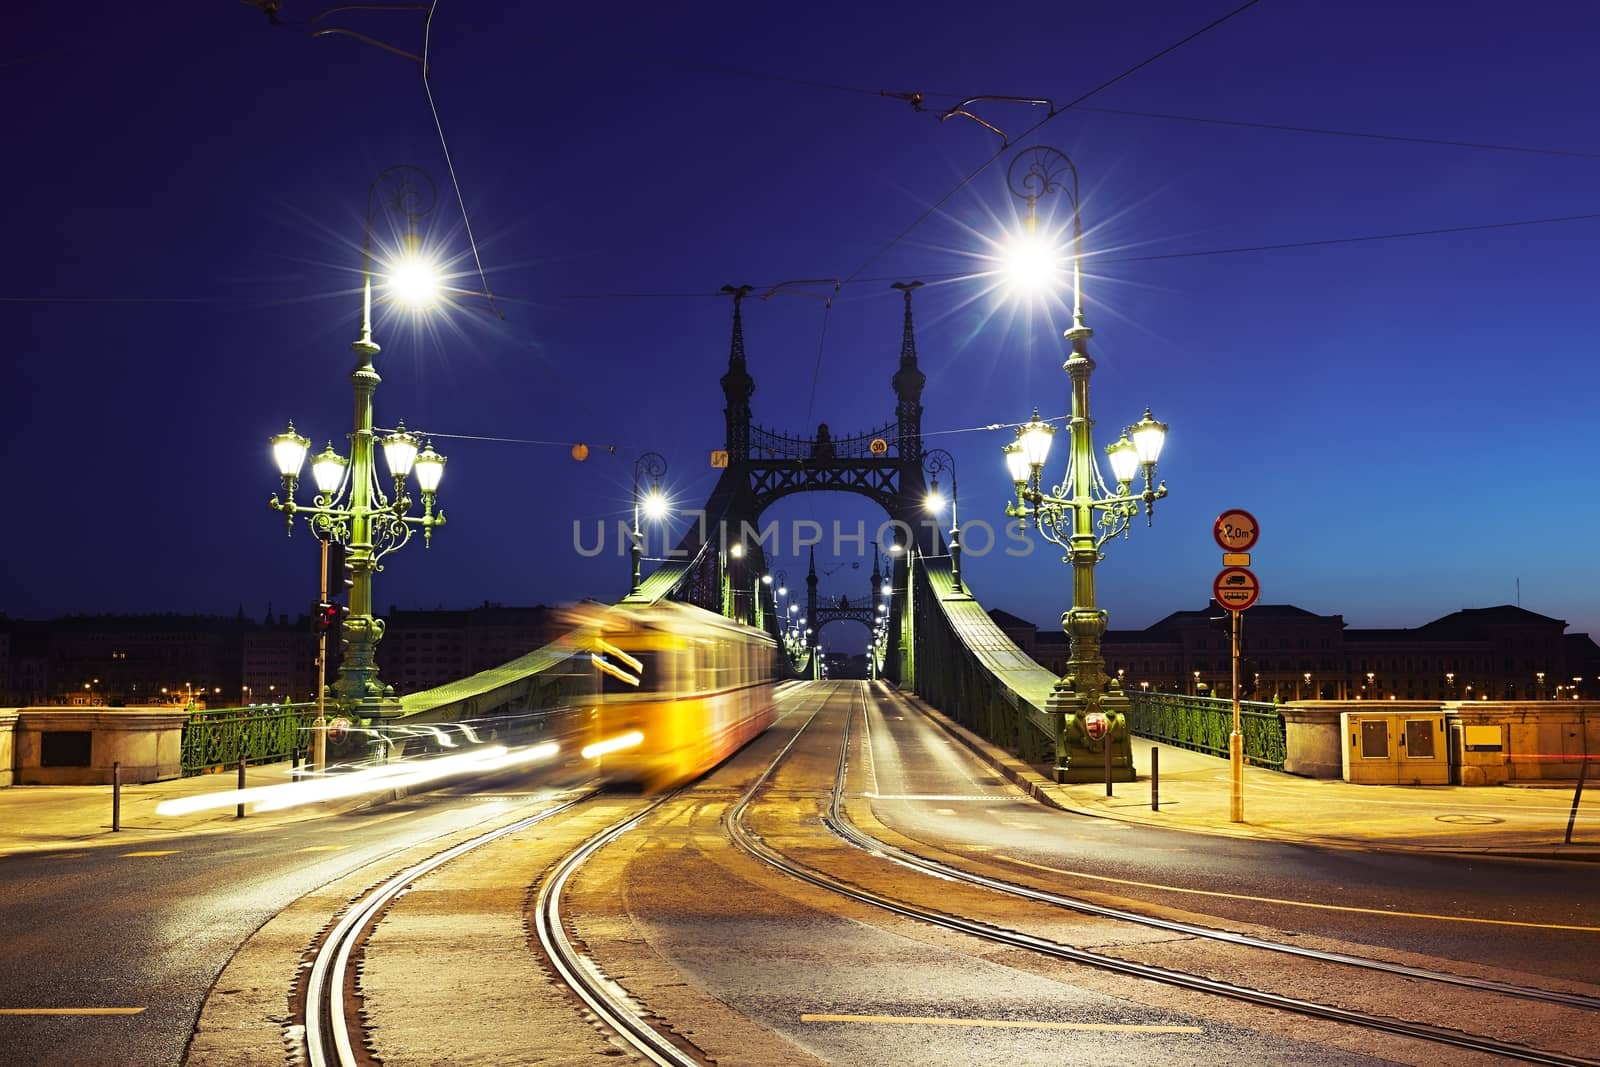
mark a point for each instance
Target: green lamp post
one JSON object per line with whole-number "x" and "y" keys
{"x": 1083, "y": 512}
{"x": 351, "y": 506}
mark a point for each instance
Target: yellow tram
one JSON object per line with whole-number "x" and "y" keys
{"x": 681, "y": 689}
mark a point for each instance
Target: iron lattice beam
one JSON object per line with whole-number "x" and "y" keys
{"x": 877, "y": 479}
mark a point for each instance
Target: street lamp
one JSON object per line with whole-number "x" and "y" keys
{"x": 1082, "y": 513}
{"x": 935, "y": 462}
{"x": 351, "y": 507}
{"x": 654, "y": 505}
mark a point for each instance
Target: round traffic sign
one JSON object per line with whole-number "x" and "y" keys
{"x": 1236, "y": 588}
{"x": 337, "y": 729}
{"x": 1236, "y": 530}
{"x": 1094, "y": 724}
{"x": 879, "y": 446}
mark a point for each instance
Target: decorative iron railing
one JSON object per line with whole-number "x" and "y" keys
{"x": 1204, "y": 723}
{"x": 957, "y": 659}
{"x": 221, "y": 737}
{"x": 767, "y": 444}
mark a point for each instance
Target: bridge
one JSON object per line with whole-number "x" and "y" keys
{"x": 930, "y": 632}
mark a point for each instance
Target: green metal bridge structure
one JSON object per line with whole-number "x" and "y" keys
{"x": 939, "y": 642}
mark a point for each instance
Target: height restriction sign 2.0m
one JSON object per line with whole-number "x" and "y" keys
{"x": 1236, "y": 530}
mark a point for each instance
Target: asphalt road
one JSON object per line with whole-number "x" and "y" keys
{"x": 746, "y": 962}
{"x": 1501, "y": 912}
{"x": 147, "y": 930}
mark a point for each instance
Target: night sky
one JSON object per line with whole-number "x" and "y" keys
{"x": 1412, "y": 419}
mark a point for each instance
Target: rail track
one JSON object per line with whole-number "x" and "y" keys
{"x": 330, "y": 1032}
{"x": 838, "y": 822}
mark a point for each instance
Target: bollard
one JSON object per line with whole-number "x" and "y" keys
{"x": 1155, "y": 778}
{"x": 116, "y": 797}
{"x": 239, "y": 812}
{"x": 1107, "y": 746}
{"x": 294, "y": 765}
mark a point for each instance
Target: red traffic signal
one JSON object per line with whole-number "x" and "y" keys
{"x": 327, "y": 616}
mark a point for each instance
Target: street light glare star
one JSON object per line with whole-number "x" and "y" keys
{"x": 655, "y": 505}
{"x": 415, "y": 281}
{"x": 1031, "y": 261}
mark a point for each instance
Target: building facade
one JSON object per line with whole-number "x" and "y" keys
{"x": 1287, "y": 653}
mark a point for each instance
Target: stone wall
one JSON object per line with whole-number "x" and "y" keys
{"x": 78, "y": 746}
{"x": 1490, "y": 742}
{"x": 8, "y": 724}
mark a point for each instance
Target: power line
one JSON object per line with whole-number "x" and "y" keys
{"x": 1327, "y": 132}
{"x": 920, "y": 219}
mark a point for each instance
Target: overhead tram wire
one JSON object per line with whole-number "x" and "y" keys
{"x": 1324, "y": 131}
{"x": 427, "y": 89}
{"x": 936, "y": 205}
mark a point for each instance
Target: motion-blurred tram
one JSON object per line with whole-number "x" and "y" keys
{"x": 681, "y": 689}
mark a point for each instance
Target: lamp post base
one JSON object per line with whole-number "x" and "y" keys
{"x": 1080, "y": 758}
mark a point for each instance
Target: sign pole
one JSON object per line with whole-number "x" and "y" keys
{"x": 1236, "y": 740}
{"x": 319, "y": 728}
{"x": 1235, "y": 589}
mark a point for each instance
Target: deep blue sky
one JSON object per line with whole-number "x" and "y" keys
{"x": 1411, "y": 420}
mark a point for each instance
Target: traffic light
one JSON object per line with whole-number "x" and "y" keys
{"x": 328, "y": 616}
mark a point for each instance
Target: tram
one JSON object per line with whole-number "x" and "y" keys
{"x": 681, "y": 689}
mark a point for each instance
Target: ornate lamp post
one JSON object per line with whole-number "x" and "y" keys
{"x": 654, "y": 504}
{"x": 1082, "y": 513}
{"x": 935, "y": 462}
{"x": 351, "y": 507}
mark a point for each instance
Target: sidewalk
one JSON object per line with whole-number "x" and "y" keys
{"x": 1511, "y": 820}
{"x": 34, "y": 818}
{"x": 1524, "y": 821}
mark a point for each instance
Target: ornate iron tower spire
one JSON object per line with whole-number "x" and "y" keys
{"x": 908, "y": 383}
{"x": 737, "y": 385}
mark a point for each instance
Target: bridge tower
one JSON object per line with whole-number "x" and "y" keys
{"x": 725, "y": 553}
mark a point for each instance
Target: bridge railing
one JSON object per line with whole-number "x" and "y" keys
{"x": 555, "y": 676}
{"x": 1204, "y": 723}
{"x": 958, "y": 660}
{"x": 265, "y": 733}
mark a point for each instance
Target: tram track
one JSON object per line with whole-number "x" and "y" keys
{"x": 332, "y": 1027}
{"x": 608, "y": 1000}
{"x": 331, "y": 1030}
{"x": 837, "y": 822}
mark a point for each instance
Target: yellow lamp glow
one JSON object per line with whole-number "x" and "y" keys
{"x": 289, "y": 451}
{"x": 1148, "y": 437}
{"x": 400, "y": 451}
{"x": 327, "y": 470}
{"x": 1036, "y": 435}
{"x": 1124, "y": 459}
{"x": 429, "y": 466}
{"x": 1016, "y": 462}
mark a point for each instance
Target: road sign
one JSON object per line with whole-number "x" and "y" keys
{"x": 1236, "y": 588}
{"x": 1236, "y": 530}
{"x": 337, "y": 729}
{"x": 878, "y": 447}
{"x": 1094, "y": 724}
{"x": 719, "y": 458}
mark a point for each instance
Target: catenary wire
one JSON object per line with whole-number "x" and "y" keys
{"x": 964, "y": 182}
